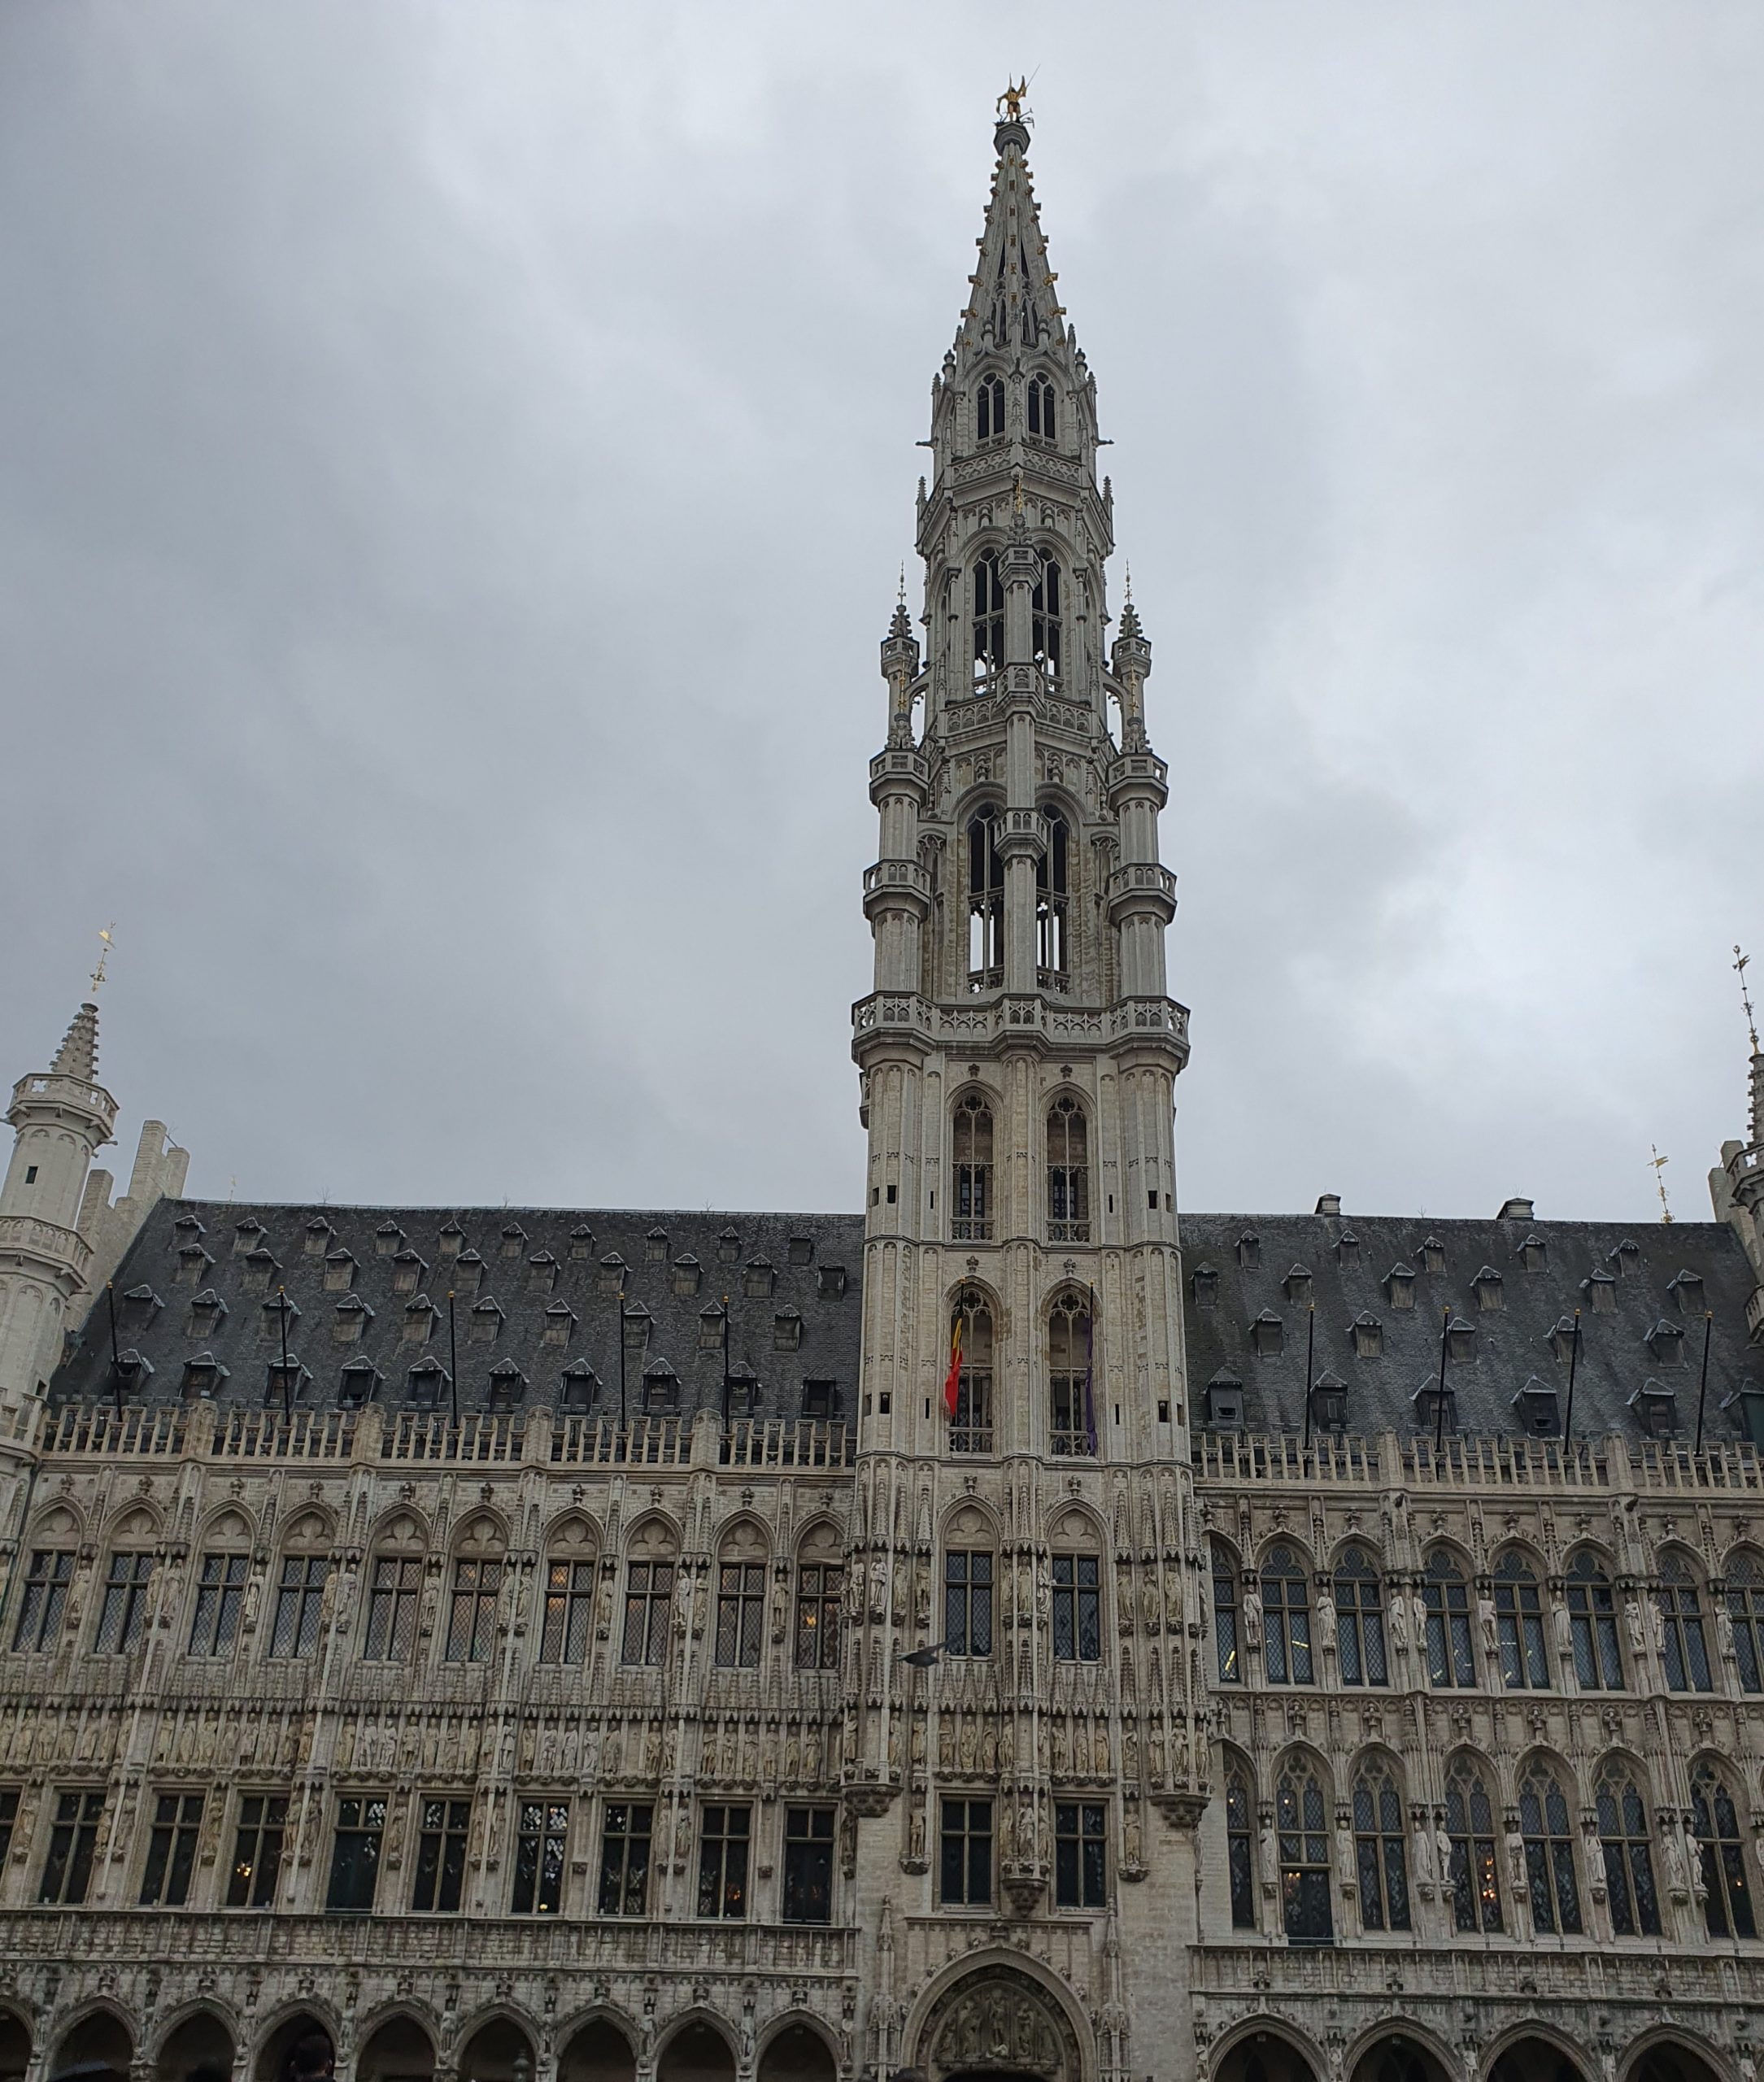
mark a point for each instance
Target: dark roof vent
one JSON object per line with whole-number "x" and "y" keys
{"x": 1534, "y": 1253}
{"x": 1225, "y": 1402}
{"x": 1562, "y": 1339}
{"x": 656, "y": 1244}
{"x": 1329, "y": 1203}
{"x": 759, "y": 1278}
{"x": 357, "y": 1383}
{"x": 1746, "y": 1409}
{"x": 728, "y": 1246}
{"x": 1425, "y": 1402}
{"x": 611, "y": 1276}
{"x": 452, "y": 1240}
{"x": 787, "y": 1329}
{"x": 133, "y": 1370}
{"x": 1656, "y": 1407}
{"x": 261, "y": 1268}
{"x": 508, "y": 1384}
{"x": 687, "y": 1273}
{"x": 1601, "y": 1290}
{"x": 387, "y": 1238}
{"x": 581, "y": 1241}
{"x": 190, "y": 1223}
{"x": 1665, "y": 1341}
{"x": 1329, "y": 1402}
{"x": 245, "y": 1234}
{"x": 802, "y": 1250}
{"x": 203, "y": 1375}
{"x": 1514, "y": 1210}
{"x": 1368, "y": 1335}
{"x": 319, "y": 1234}
{"x": 542, "y": 1273}
{"x": 423, "y": 1383}
{"x": 514, "y": 1239}
{"x": 1461, "y": 1339}
{"x": 1626, "y": 1258}
{"x": 832, "y": 1282}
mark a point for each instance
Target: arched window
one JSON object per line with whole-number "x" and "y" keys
{"x": 988, "y": 617}
{"x": 972, "y": 1221}
{"x": 1519, "y": 1623}
{"x": 220, "y": 1587}
{"x": 1380, "y": 1849}
{"x": 1745, "y": 1609}
{"x": 478, "y": 1583}
{"x": 1045, "y": 619}
{"x": 1040, "y": 408}
{"x": 1686, "y": 1646}
{"x": 1727, "y": 1903}
{"x": 306, "y": 1568}
{"x": 1072, "y": 1412}
{"x": 986, "y": 901}
{"x": 1549, "y": 1852}
{"x": 1474, "y": 1878}
{"x": 1240, "y": 1848}
{"x": 988, "y": 408}
{"x": 1286, "y": 1618}
{"x": 127, "y": 1574}
{"x": 649, "y": 1575}
{"x": 567, "y": 1625}
{"x": 1451, "y": 1650}
{"x": 1052, "y": 877}
{"x": 1301, "y": 1818}
{"x": 1068, "y": 1177}
{"x": 1360, "y": 1625}
{"x": 1592, "y": 1620}
{"x": 968, "y": 1576}
{"x": 820, "y": 1588}
{"x": 740, "y": 1597}
{"x": 1224, "y": 1616}
{"x": 395, "y": 1588}
{"x": 1628, "y": 1859}
{"x": 970, "y": 1430}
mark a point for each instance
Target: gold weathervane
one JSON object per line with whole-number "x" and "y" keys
{"x": 1740, "y": 962}
{"x": 1010, "y": 104}
{"x": 107, "y": 940}
{"x": 1660, "y": 1164}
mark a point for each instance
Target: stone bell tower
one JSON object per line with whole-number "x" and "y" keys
{"x": 1017, "y": 1059}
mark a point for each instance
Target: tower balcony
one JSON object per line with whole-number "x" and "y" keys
{"x": 24, "y": 1236}
{"x": 896, "y": 885}
{"x": 903, "y": 1016}
{"x": 899, "y": 767}
{"x": 1746, "y": 1174}
{"x": 52, "y": 1089}
{"x": 1023, "y": 832}
{"x": 1142, "y": 887}
{"x": 1138, "y": 773}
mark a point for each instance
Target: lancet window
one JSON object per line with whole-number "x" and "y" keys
{"x": 1053, "y": 892}
{"x": 1549, "y": 1852}
{"x": 1068, "y": 1188}
{"x": 1301, "y": 1818}
{"x": 1380, "y": 1850}
{"x": 1451, "y": 1651}
{"x": 1727, "y": 1888}
{"x": 1745, "y": 1609}
{"x": 970, "y": 1430}
{"x": 1072, "y": 1412}
{"x": 1045, "y": 619}
{"x": 1473, "y": 1877}
{"x": 1628, "y": 1857}
{"x": 988, "y": 408}
{"x": 1686, "y": 1646}
{"x": 1519, "y": 1625}
{"x": 1360, "y": 1622}
{"x": 1039, "y": 408}
{"x": 988, "y": 615}
{"x": 1592, "y": 1619}
{"x": 1286, "y": 1618}
{"x": 972, "y": 1220}
{"x": 986, "y": 902}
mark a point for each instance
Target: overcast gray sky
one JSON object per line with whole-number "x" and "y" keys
{"x": 455, "y": 461}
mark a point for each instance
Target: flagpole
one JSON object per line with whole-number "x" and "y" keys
{"x": 1573, "y": 1367}
{"x": 1439, "y": 1393}
{"x": 1310, "y": 1348}
{"x": 453, "y": 1361}
{"x": 287, "y": 1398}
{"x": 116, "y": 1357}
{"x": 725, "y": 1362}
{"x": 1702, "y": 1385}
{"x": 623, "y": 1419}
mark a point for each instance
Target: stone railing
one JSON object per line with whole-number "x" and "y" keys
{"x": 643, "y": 1442}
{"x": 1389, "y": 1461}
{"x": 774, "y": 1442}
{"x": 1487, "y": 1969}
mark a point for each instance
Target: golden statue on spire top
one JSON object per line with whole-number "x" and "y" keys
{"x": 1010, "y": 104}
{"x": 107, "y": 940}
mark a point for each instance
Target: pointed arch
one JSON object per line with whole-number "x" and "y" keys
{"x": 597, "y": 2045}
{"x": 95, "y": 2041}
{"x": 972, "y": 1143}
{"x": 1398, "y": 2049}
{"x": 397, "y": 2040}
{"x": 1472, "y": 1866}
{"x": 1242, "y": 1808}
{"x": 743, "y": 1551}
{"x": 974, "y": 1327}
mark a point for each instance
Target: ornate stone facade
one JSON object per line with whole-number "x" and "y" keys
{"x": 964, "y": 1637}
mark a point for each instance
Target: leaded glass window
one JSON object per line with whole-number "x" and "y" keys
{"x": 1549, "y": 1852}
{"x": 1286, "y": 1618}
{"x": 1628, "y": 1859}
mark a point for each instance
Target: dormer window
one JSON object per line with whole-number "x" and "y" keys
{"x": 1601, "y": 1290}
{"x": 1626, "y": 1260}
{"x": 988, "y": 408}
{"x": 287, "y": 1381}
{"x": 508, "y": 1385}
{"x": 419, "y": 1320}
{"x": 424, "y": 1384}
{"x": 832, "y": 1287}
{"x": 277, "y": 1317}
{"x": 559, "y": 1323}
{"x": 261, "y": 1268}
{"x": 193, "y": 1264}
{"x": 1225, "y": 1402}
{"x": 1038, "y": 408}
{"x": 758, "y": 1280}
{"x": 188, "y": 1229}
{"x": 407, "y": 1271}
{"x": 687, "y": 1274}
{"x": 1686, "y": 1292}
{"x": 710, "y": 1328}
{"x": 1534, "y": 1253}
{"x": 1562, "y": 1339}
{"x": 1657, "y": 1408}
{"x": 655, "y": 1246}
{"x": 245, "y": 1236}
{"x": 208, "y": 1312}
{"x": 581, "y": 1241}
{"x": 610, "y": 1279}
{"x": 1399, "y": 1286}
{"x": 487, "y": 1320}
{"x": 131, "y": 1370}
{"x": 661, "y": 1389}
{"x": 452, "y": 1240}
{"x": 468, "y": 1273}
{"x": 1368, "y": 1335}
{"x": 1297, "y": 1286}
{"x": 729, "y": 1247}
{"x": 388, "y": 1239}
{"x": 787, "y": 1329}
{"x": 357, "y": 1383}
{"x": 1537, "y": 1410}
{"x": 139, "y": 1305}
{"x": 1206, "y": 1286}
{"x": 203, "y": 1376}
{"x": 1426, "y": 1402}
{"x": 1249, "y": 1250}
{"x": 576, "y": 1389}
{"x": 1490, "y": 1292}
{"x": 744, "y": 1389}
{"x": 542, "y": 1273}
{"x": 802, "y": 1251}
{"x": 320, "y": 1234}
{"x": 1347, "y": 1249}
{"x": 1745, "y": 1407}
{"x": 1665, "y": 1341}
{"x": 1265, "y": 1334}
{"x": 1461, "y": 1339}
{"x": 352, "y": 1318}
{"x": 339, "y": 1271}
{"x": 1431, "y": 1255}
{"x": 1329, "y": 1403}
{"x": 820, "y": 1401}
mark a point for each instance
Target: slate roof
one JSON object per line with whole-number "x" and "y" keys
{"x": 514, "y": 1271}
{"x": 1538, "y": 1273}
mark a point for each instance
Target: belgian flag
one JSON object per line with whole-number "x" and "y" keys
{"x": 952, "y": 1380}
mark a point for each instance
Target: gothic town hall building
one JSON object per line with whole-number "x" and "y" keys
{"x": 584, "y": 1646}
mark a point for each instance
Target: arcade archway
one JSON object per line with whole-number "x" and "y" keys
{"x": 998, "y": 2024}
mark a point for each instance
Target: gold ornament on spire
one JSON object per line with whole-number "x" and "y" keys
{"x": 107, "y": 938}
{"x": 1660, "y": 1164}
{"x": 1010, "y": 104}
{"x": 1740, "y": 962}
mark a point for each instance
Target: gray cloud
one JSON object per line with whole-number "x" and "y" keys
{"x": 453, "y": 467}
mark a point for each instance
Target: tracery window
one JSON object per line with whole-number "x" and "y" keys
{"x": 472, "y": 1615}
{"x": 1727, "y": 1896}
{"x": 1301, "y": 1824}
{"x": 1470, "y": 1824}
{"x": 394, "y": 1588}
{"x": 1628, "y": 1857}
{"x": 1592, "y": 1621}
{"x": 1519, "y": 1624}
{"x": 1040, "y": 408}
{"x": 1549, "y": 1852}
{"x": 220, "y": 1598}
{"x": 988, "y": 617}
{"x": 1360, "y": 1623}
{"x": 968, "y": 1602}
{"x": 988, "y": 408}
{"x": 819, "y": 1586}
{"x": 1053, "y": 892}
{"x": 1241, "y": 1849}
{"x": 1681, "y": 1614}
{"x": 569, "y": 1599}
{"x": 1380, "y": 1849}
{"x": 970, "y": 1430}
{"x": 971, "y": 1222}
{"x": 648, "y": 1604}
{"x": 1072, "y": 1412}
{"x": 740, "y": 1613}
{"x": 123, "y": 1615}
{"x": 1224, "y": 1616}
{"x": 1286, "y": 1618}
{"x": 1047, "y": 620}
{"x": 1078, "y": 1608}
{"x": 46, "y": 1597}
{"x": 1451, "y": 1650}
{"x": 1745, "y": 1609}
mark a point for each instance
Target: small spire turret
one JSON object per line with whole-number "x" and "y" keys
{"x": 77, "y": 1056}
